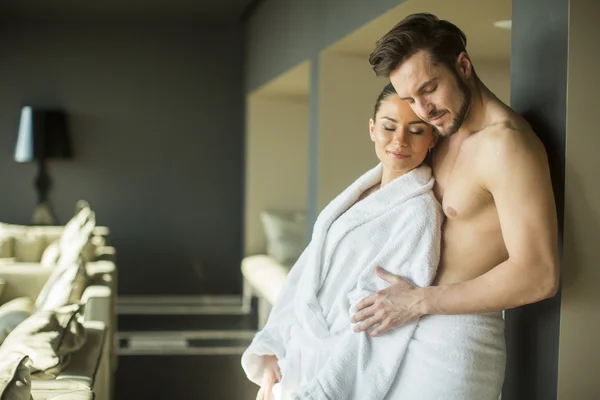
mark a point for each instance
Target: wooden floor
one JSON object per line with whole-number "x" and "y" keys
{"x": 183, "y": 378}
{"x": 172, "y": 376}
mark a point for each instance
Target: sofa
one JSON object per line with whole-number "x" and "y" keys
{"x": 264, "y": 277}
{"x": 264, "y": 272}
{"x": 35, "y": 270}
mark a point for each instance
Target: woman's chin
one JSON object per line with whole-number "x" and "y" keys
{"x": 400, "y": 166}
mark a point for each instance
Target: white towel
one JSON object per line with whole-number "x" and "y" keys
{"x": 398, "y": 228}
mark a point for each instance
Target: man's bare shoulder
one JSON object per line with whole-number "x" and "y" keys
{"x": 508, "y": 148}
{"x": 509, "y": 138}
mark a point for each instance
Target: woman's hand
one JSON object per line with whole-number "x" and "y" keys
{"x": 271, "y": 375}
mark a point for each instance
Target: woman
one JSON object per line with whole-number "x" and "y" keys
{"x": 389, "y": 217}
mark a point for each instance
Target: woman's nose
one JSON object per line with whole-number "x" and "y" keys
{"x": 401, "y": 138}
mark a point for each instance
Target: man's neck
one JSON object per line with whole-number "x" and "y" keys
{"x": 477, "y": 116}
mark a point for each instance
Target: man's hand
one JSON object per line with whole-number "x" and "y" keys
{"x": 271, "y": 375}
{"x": 394, "y": 306}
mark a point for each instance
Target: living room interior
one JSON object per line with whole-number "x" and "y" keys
{"x": 204, "y": 137}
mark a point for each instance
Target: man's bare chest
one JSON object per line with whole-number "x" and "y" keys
{"x": 459, "y": 184}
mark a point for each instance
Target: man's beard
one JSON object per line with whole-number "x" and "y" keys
{"x": 462, "y": 112}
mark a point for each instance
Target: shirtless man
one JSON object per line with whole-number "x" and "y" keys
{"x": 499, "y": 247}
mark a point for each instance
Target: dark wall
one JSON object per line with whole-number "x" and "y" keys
{"x": 157, "y": 120}
{"x": 539, "y": 92}
{"x": 283, "y": 33}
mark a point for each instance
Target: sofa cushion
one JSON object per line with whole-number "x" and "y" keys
{"x": 84, "y": 366}
{"x": 6, "y": 246}
{"x": 15, "y": 379}
{"x": 285, "y": 232}
{"x": 29, "y": 246}
{"x": 12, "y": 314}
{"x": 48, "y": 337}
{"x": 74, "y": 395}
{"x": 64, "y": 286}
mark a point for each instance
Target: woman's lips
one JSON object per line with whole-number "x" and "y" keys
{"x": 398, "y": 155}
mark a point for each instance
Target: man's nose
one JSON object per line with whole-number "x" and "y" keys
{"x": 424, "y": 108}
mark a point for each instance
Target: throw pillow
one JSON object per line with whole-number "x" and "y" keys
{"x": 64, "y": 286}
{"x": 286, "y": 235}
{"x": 73, "y": 247}
{"x": 48, "y": 337}
{"x": 51, "y": 255}
{"x": 13, "y": 313}
{"x": 15, "y": 378}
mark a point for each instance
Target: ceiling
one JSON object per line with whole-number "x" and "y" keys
{"x": 138, "y": 10}
{"x": 474, "y": 17}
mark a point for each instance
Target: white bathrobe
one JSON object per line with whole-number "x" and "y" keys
{"x": 398, "y": 228}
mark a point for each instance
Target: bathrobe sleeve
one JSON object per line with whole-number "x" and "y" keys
{"x": 271, "y": 340}
{"x": 364, "y": 367}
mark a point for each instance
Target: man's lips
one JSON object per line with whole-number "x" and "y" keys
{"x": 437, "y": 117}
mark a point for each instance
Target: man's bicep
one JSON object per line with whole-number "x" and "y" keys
{"x": 522, "y": 190}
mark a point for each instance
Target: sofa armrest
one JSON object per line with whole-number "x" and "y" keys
{"x": 100, "y": 305}
{"x": 98, "y": 270}
{"x": 105, "y": 253}
{"x": 23, "y": 280}
{"x": 84, "y": 365}
{"x": 67, "y": 395}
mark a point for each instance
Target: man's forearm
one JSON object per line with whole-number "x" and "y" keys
{"x": 506, "y": 286}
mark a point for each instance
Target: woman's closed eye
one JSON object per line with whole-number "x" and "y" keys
{"x": 389, "y": 128}
{"x": 416, "y": 132}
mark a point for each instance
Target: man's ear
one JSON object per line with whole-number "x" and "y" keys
{"x": 372, "y": 129}
{"x": 464, "y": 65}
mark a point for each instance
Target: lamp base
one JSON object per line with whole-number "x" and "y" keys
{"x": 43, "y": 215}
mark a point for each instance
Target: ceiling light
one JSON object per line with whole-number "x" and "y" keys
{"x": 504, "y": 24}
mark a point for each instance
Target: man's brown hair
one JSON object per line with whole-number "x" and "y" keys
{"x": 442, "y": 39}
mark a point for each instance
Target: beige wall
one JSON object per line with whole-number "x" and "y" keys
{"x": 347, "y": 93}
{"x": 495, "y": 74}
{"x": 276, "y": 161}
{"x": 579, "y": 351}
{"x": 348, "y": 90}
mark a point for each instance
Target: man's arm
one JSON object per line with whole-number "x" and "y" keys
{"x": 518, "y": 178}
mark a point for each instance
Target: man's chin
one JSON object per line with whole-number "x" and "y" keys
{"x": 443, "y": 130}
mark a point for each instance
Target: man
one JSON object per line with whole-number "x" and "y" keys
{"x": 499, "y": 247}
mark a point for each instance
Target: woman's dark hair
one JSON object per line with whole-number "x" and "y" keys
{"x": 442, "y": 39}
{"x": 387, "y": 91}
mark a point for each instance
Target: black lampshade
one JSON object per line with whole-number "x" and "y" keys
{"x": 43, "y": 134}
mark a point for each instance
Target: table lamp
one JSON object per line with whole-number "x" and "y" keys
{"x": 43, "y": 135}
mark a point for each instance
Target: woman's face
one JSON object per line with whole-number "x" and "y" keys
{"x": 401, "y": 139}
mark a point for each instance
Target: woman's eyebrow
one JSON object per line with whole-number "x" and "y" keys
{"x": 389, "y": 118}
{"x": 417, "y": 122}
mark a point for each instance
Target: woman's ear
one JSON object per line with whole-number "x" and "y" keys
{"x": 372, "y": 129}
